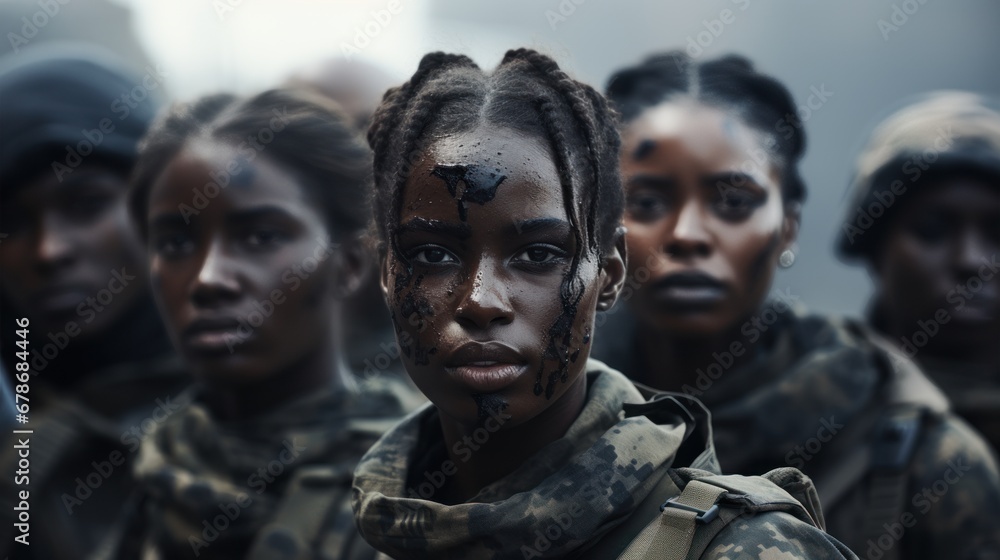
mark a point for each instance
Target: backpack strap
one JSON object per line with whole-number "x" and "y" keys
{"x": 669, "y": 536}
{"x": 895, "y": 443}
{"x": 687, "y": 524}
{"x": 618, "y": 539}
{"x": 298, "y": 524}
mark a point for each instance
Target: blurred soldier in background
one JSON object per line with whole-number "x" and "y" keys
{"x": 253, "y": 210}
{"x": 713, "y": 196}
{"x": 925, "y": 220}
{"x": 358, "y": 86}
{"x": 103, "y": 370}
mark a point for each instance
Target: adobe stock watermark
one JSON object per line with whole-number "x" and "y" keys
{"x": 562, "y": 12}
{"x": 122, "y": 107}
{"x": 800, "y": 454}
{"x": 752, "y": 330}
{"x": 88, "y": 484}
{"x": 365, "y": 34}
{"x": 818, "y": 96}
{"x": 923, "y": 501}
{"x": 959, "y": 297}
{"x": 463, "y": 449}
{"x": 247, "y": 151}
{"x": 293, "y": 277}
{"x": 899, "y": 17}
{"x": 225, "y": 7}
{"x": 32, "y": 25}
{"x": 695, "y": 45}
{"x": 88, "y": 310}
{"x": 229, "y": 512}
{"x": 913, "y": 168}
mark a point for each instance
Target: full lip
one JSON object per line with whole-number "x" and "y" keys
{"x": 485, "y": 367}
{"x": 213, "y": 334}
{"x": 689, "y": 288}
{"x": 59, "y": 298}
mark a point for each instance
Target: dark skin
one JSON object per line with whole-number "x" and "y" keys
{"x": 706, "y": 224}
{"x": 493, "y": 278}
{"x": 259, "y": 240}
{"x": 63, "y": 241}
{"x": 941, "y": 239}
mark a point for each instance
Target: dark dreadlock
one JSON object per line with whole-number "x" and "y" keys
{"x": 529, "y": 93}
{"x": 730, "y": 83}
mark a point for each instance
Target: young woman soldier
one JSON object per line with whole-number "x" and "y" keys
{"x": 709, "y": 158}
{"x": 497, "y": 205}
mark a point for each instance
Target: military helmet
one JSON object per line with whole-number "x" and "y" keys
{"x": 941, "y": 132}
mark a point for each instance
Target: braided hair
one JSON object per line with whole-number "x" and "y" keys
{"x": 528, "y": 93}
{"x": 316, "y": 143}
{"x": 730, "y": 83}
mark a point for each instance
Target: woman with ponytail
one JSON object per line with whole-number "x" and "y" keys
{"x": 710, "y": 159}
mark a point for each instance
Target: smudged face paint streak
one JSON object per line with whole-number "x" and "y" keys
{"x": 503, "y": 282}
{"x": 469, "y": 183}
{"x": 704, "y": 212}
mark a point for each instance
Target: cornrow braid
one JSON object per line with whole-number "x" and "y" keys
{"x": 528, "y": 93}
{"x": 730, "y": 83}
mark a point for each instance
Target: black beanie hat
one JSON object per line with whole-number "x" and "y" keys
{"x": 64, "y": 106}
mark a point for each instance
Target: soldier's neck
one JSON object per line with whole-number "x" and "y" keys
{"x": 485, "y": 453}
{"x": 671, "y": 362}
{"x": 318, "y": 370}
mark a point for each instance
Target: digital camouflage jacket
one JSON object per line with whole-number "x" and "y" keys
{"x": 567, "y": 496}
{"x": 897, "y": 473}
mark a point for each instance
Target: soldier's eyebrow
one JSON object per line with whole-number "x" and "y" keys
{"x": 644, "y": 148}
{"x": 413, "y": 225}
{"x": 166, "y": 221}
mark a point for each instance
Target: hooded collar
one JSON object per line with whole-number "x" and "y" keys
{"x": 560, "y": 501}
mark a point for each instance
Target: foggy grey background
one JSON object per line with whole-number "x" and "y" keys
{"x": 246, "y": 45}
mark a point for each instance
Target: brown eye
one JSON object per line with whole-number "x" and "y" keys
{"x": 538, "y": 255}
{"x": 433, "y": 255}
{"x": 645, "y": 206}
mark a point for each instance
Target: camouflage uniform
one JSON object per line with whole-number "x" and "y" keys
{"x": 81, "y": 453}
{"x": 813, "y": 397}
{"x": 276, "y": 486}
{"x": 567, "y": 497}
{"x": 974, "y": 392}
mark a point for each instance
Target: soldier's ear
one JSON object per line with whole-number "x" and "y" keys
{"x": 614, "y": 266}
{"x": 790, "y": 225}
{"x": 351, "y": 264}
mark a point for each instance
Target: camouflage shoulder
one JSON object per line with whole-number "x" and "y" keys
{"x": 774, "y": 535}
{"x": 954, "y": 497}
{"x": 399, "y": 390}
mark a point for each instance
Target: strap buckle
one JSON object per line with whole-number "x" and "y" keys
{"x": 704, "y": 516}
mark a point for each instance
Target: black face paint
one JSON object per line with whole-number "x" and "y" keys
{"x": 560, "y": 334}
{"x": 489, "y": 404}
{"x": 414, "y": 310}
{"x": 480, "y": 184}
{"x": 645, "y": 148}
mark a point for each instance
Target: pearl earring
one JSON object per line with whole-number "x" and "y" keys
{"x": 786, "y": 259}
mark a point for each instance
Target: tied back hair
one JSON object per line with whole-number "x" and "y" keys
{"x": 311, "y": 138}
{"x": 529, "y": 93}
{"x": 730, "y": 83}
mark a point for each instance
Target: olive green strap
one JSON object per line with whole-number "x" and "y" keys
{"x": 669, "y": 536}
{"x": 301, "y": 517}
